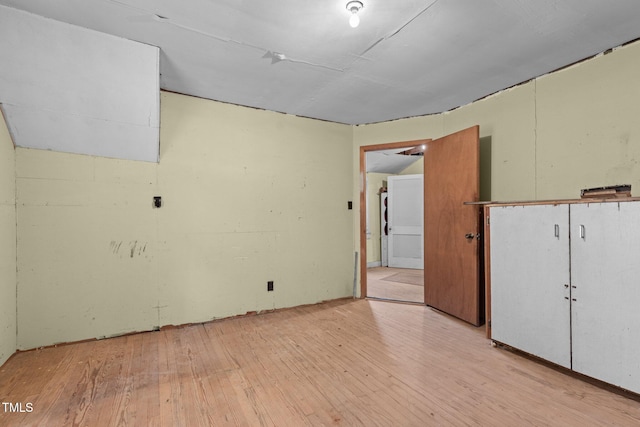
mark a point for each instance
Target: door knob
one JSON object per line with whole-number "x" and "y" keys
{"x": 468, "y": 236}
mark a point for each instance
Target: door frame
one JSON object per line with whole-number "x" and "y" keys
{"x": 363, "y": 207}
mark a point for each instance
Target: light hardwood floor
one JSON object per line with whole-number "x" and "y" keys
{"x": 381, "y": 284}
{"x": 348, "y": 362}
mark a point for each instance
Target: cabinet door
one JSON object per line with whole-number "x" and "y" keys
{"x": 530, "y": 307}
{"x": 605, "y": 276}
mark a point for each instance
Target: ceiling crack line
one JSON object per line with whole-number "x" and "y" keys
{"x": 400, "y": 28}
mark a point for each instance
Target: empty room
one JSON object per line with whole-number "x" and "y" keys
{"x": 292, "y": 213}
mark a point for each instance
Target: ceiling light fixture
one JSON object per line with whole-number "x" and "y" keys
{"x": 354, "y": 7}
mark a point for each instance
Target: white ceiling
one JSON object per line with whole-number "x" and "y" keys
{"x": 389, "y": 161}
{"x": 407, "y": 57}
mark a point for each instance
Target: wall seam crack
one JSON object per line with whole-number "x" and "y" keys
{"x": 535, "y": 138}
{"x": 15, "y": 208}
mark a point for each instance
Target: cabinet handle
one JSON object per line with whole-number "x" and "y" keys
{"x": 556, "y": 231}
{"x": 582, "y": 232}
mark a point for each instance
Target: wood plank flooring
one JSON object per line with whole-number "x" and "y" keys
{"x": 348, "y": 362}
{"x": 381, "y": 285}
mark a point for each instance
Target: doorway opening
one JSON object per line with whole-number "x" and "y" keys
{"x": 451, "y": 224}
{"x": 391, "y": 193}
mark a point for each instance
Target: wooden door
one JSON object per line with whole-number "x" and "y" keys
{"x": 605, "y": 295}
{"x": 530, "y": 307}
{"x": 405, "y": 216}
{"x": 451, "y": 260}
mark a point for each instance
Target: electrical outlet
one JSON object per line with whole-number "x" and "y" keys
{"x": 270, "y": 285}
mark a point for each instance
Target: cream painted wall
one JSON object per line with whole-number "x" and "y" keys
{"x": 249, "y": 196}
{"x": 547, "y": 138}
{"x": 87, "y": 247}
{"x": 7, "y": 245}
{"x": 414, "y": 168}
{"x": 588, "y": 132}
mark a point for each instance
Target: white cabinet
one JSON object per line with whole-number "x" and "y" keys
{"x": 530, "y": 280}
{"x": 605, "y": 280}
{"x": 565, "y": 285}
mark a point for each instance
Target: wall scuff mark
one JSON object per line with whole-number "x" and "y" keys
{"x": 135, "y": 248}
